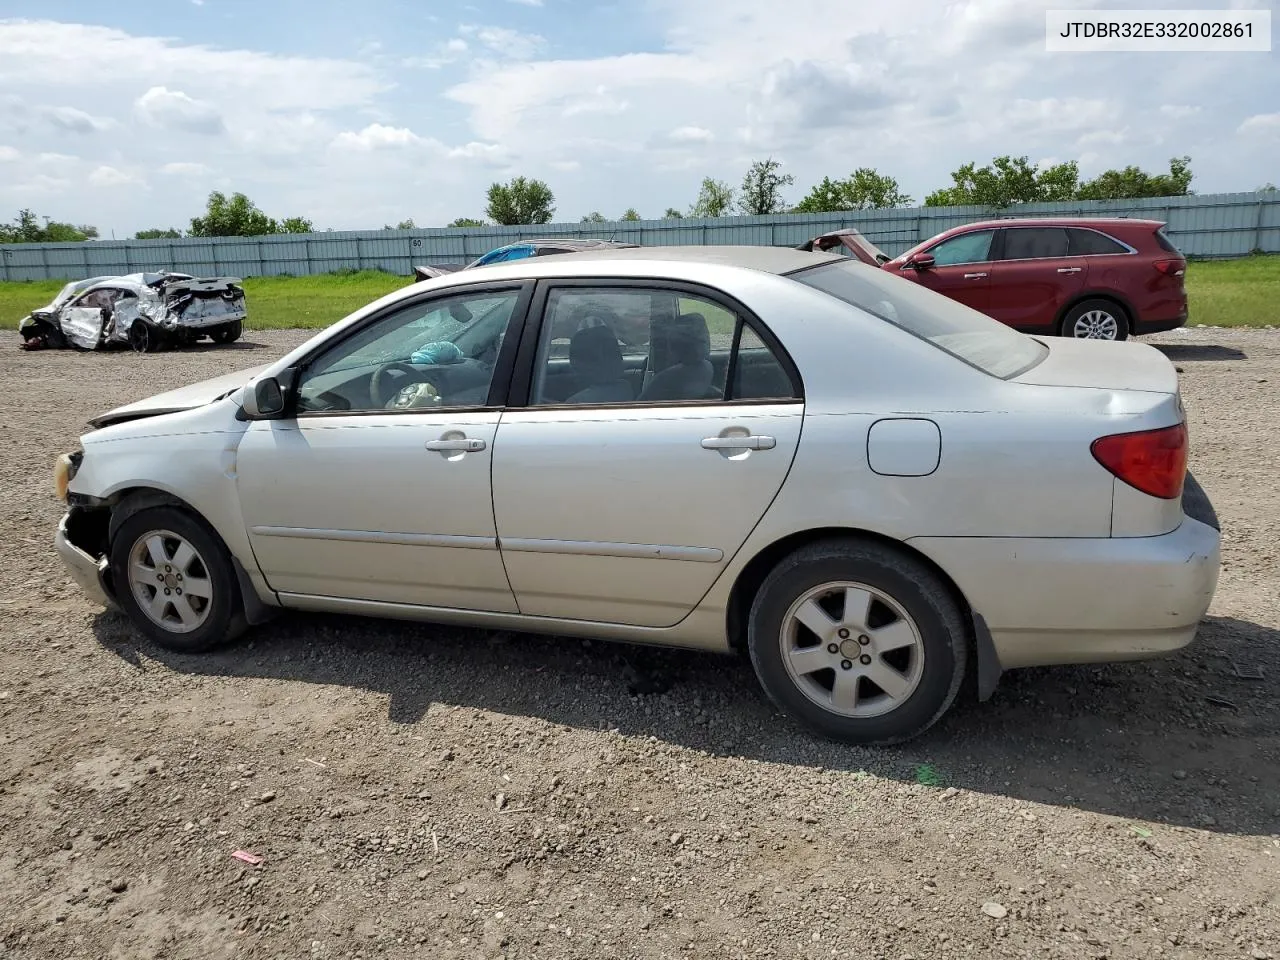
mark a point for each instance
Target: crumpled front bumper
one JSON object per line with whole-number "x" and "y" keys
{"x": 89, "y": 573}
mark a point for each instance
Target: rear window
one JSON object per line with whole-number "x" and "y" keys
{"x": 950, "y": 326}
{"x": 1083, "y": 243}
{"x": 1166, "y": 244}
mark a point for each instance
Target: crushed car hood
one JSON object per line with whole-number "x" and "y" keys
{"x": 184, "y": 398}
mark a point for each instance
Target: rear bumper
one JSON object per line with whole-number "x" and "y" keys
{"x": 84, "y": 569}
{"x": 1142, "y": 327}
{"x": 1084, "y": 600}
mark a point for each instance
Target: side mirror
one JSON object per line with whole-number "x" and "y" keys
{"x": 266, "y": 398}
{"x": 921, "y": 261}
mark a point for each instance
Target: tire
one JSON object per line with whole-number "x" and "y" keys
{"x": 912, "y": 633}
{"x": 228, "y": 333}
{"x": 145, "y": 338}
{"x": 154, "y": 540}
{"x": 1095, "y": 319}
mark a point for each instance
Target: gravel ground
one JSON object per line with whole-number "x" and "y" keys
{"x": 437, "y": 792}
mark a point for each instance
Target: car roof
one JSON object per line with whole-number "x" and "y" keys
{"x": 776, "y": 260}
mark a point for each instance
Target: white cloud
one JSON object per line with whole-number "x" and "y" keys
{"x": 505, "y": 42}
{"x": 1177, "y": 111}
{"x": 75, "y": 121}
{"x": 174, "y": 109}
{"x": 185, "y": 169}
{"x": 691, "y": 134}
{"x": 8, "y": 154}
{"x": 1262, "y": 123}
{"x": 377, "y": 136}
{"x": 104, "y": 176}
{"x": 528, "y": 3}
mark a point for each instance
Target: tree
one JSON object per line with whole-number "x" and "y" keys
{"x": 1132, "y": 182}
{"x": 296, "y": 225}
{"x": 762, "y": 188}
{"x": 467, "y": 222}
{"x": 157, "y": 234}
{"x": 672, "y": 214}
{"x": 402, "y": 225}
{"x": 520, "y": 201}
{"x": 864, "y": 189}
{"x": 235, "y": 217}
{"x": 1006, "y": 181}
{"x": 630, "y": 214}
{"x": 595, "y": 216}
{"x": 715, "y": 197}
{"x": 26, "y": 229}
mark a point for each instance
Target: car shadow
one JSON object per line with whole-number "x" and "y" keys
{"x": 1188, "y": 741}
{"x": 1200, "y": 351}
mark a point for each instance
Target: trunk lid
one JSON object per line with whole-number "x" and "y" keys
{"x": 1102, "y": 365}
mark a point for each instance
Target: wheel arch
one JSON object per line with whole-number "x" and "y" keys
{"x": 984, "y": 665}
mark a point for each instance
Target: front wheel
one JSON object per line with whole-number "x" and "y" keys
{"x": 859, "y": 642}
{"x": 174, "y": 578}
{"x": 1095, "y": 320}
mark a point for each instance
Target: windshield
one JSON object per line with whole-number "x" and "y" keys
{"x": 959, "y": 330}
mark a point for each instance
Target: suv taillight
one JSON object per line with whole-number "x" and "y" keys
{"x": 1171, "y": 268}
{"x": 1153, "y": 461}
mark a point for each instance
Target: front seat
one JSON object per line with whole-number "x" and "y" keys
{"x": 596, "y": 360}
{"x": 689, "y": 373}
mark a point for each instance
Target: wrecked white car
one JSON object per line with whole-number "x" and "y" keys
{"x": 148, "y": 311}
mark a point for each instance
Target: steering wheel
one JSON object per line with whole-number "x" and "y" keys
{"x": 381, "y": 388}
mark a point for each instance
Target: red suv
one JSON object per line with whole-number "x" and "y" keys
{"x": 1090, "y": 278}
{"x": 1077, "y": 277}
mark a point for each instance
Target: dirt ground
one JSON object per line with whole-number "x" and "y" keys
{"x": 438, "y": 792}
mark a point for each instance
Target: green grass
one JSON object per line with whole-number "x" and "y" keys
{"x": 1235, "y": 293}
{"x": 1228, "y": 293}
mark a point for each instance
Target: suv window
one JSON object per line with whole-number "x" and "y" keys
{"x": 966, "y": 248}
{"x": 1034, "y": 243}
{"x": 436, "y": 354}
{"x": 950, "y": 326}
{"x": 1084, "y": 243}
{"x": 1166, "y": 244}
{"x": 630, "y": 345}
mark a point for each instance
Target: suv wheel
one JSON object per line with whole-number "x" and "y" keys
{"x": 1096, "y": 320}
{"x": 858, "y": 642}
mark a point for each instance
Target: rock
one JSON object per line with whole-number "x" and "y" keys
{"x": 996, "y": 911}
{"x": 268, "y": 796}
{"x": 500, "y": 801}
{"x": 1179, "y": 774}
{"x": 677, "y": 838}
{"x": 119, "y": 885}
{"x": 1259, "y": 954}
{"x": 950, "y": 793}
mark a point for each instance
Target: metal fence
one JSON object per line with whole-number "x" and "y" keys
{"x": 1213, "y": 225}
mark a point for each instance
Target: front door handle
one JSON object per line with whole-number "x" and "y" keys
{"x": 738, "y": 443}
{"x": 974, "y": 276}
{"x": 1069, "y": 269}
{"x": 464, "y": 444}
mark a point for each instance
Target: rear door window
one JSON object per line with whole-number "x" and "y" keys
{"x": 1034, "y": 243}
{"x": 1085, "y": 243}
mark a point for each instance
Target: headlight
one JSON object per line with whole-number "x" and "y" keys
{"x": 63, "y": 471}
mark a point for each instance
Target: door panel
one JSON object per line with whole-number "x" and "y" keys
{"x": 82, "y": 326}
{"x": 623, "y": 515}
{"x": 392, "y": 507}
{"x": 968, "y": 283}
{"x": 1035, "y": 278}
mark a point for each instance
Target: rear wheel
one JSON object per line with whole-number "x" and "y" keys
{"x": 858, "y": 642}
{"x": 1096, "y": 320}
{"x": 174, "y": 579}
{"x": 229, "y": 333}
{"x": 145, "y": 338}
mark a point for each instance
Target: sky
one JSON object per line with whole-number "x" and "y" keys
{"x": 125, "y": 115}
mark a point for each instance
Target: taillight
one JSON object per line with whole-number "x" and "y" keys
{"x": 1171, "y": 268}
{"x": 1153, "y": 461}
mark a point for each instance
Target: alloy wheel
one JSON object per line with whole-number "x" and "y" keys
{"x": 1096, "y": 325}
{"x": 170, "y": 581}
{"x": 852, "y": 649}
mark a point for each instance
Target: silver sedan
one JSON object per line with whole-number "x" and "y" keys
{"x": 869, "y": 488}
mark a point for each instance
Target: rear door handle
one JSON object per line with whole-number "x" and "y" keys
{"x": 974, "y": 276}
{"x": 738, "y": 443}
{"x": 1070, "y": 269}
{"x": 465, "y": 444}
